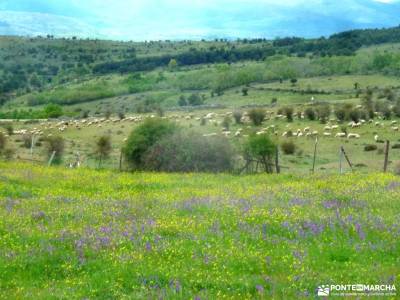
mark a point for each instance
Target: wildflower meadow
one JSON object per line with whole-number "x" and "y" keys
{"x": 84, "y": 234}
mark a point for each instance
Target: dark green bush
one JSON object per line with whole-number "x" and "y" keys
{"x": 53, "y": 111}
{"x": 9, "y": 128}
{"x": 310, "y": 114}
{"x": 288, "y": 147}
{"x": 226, "y": 123}
{"x": 288, "y": 111}
{"x": 3, "y": 142}
{"x": 323, "y": 112}
{"x": 55, "y": 144}
{"x": 257, "y": 116}
{"x": 237, "y": 115}
{"x": 355, "y": 115}
{"x": 370, "y": 148}
{"x": 143, "y": 138}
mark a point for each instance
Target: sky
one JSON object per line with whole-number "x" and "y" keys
{"x": 193, "y": 19}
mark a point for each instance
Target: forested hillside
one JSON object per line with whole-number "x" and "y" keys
{"x": 34, "y": 64}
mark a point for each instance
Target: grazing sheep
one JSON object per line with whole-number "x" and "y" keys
{"x": 209, "y": 134}
{"x": 340, "y": 135}
{"x": 353, "y": 136}
{"x": 395, "y": 128}
{"x": 327, "y": 134}
{"x": 327, "y": 128}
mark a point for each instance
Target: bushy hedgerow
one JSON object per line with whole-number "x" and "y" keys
{"x": 187, "y": 151}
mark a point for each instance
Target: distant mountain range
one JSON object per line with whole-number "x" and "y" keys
{"x": 34, "y": 24}
{"x": 179, "y": 19}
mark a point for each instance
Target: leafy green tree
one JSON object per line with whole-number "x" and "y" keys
{"x": 261, "y": 149}
{"x": 53, "y": 111}
{"x": 195, "y": 99}
{"x": 103, "y": 148}
{"x": 144, "y": 137}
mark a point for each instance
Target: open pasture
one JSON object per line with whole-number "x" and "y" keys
{"x": 81, "y": 135}
{"x": 77, "y": 234}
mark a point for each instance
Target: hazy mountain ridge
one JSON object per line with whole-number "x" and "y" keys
{"x": 34, "y": 24}
{"x": 160, "y": 20}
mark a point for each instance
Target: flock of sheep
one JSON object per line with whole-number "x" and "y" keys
{"x": 331, "y": 129}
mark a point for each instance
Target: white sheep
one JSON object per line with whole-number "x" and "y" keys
{"x": 340, "y": 134}
{"x": 353, "y": 136}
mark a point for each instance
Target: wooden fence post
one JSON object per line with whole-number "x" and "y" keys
{"x": 120, "y": 161}
{"x": 51, "y": 158}
{"x": 347, "y": 158}
{"x": 32, "y": 145}
{"x": 385, "y": 164}
{"x": 340, "y": 161}
{"x": 315, "y": 154}
{"x": 278, "y": 168}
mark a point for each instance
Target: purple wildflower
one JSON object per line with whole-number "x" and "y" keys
{"x": 260, "y": 289}
{"x": 360, "y": 231}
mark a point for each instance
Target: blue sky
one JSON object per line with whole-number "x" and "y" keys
{"x": 194, "y": 19}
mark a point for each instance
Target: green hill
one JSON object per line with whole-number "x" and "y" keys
{"x": 71, "y": 71}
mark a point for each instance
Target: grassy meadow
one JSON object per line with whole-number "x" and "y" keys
{"x": 84, "y": 234}
{"x": 95, "y": 232}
